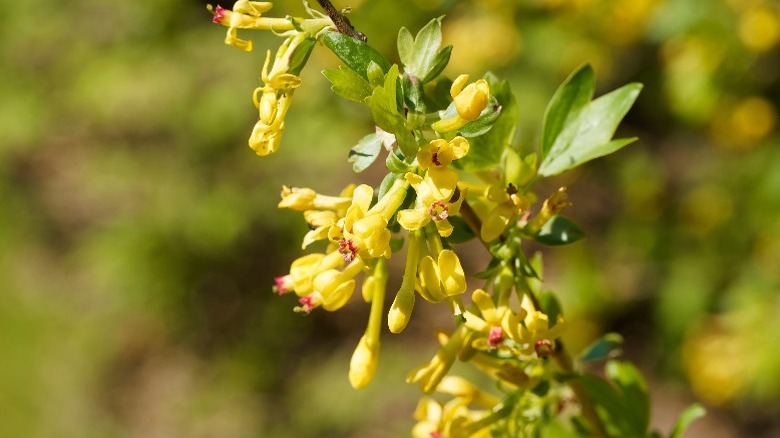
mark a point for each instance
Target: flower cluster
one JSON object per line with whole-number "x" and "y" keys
{"x": 452, "y": 177}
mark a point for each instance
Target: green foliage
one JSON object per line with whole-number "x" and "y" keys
{"x": 606, "y": 347}
{"x": 348, "y": 84}
{"x": 367, "y": 150}
{"x": 422, "y": 56}
{"x": 576, "y": 129}
{"x": 356, "y": 54}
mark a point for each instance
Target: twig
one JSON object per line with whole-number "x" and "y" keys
{"x": 341, "y": 22}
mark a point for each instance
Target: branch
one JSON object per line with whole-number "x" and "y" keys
{"x": 341, "y": 21}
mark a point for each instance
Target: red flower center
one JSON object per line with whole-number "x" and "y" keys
{"x": 307, "y": 303}
{"x": 438, "y": 211}
{"x": 219, "y": 14}
{"x": 544, "y": 348}
{"x": 495, "y": 337}
{"x": 347, "y": 249}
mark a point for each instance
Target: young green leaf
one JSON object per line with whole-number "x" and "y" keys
{"x": 633, "y": 388}
{"x": 575, "y": 92}
{"x": 440, "y": 61}
{"x": 587, "y": 131}
{"x": 354, "y": 53}
{"x": 688, "y": 416}
{"x": 607, "y": 346}
{"x": 559, "y": 230}
{"x": 486, "y": 150}
{"x": 384, "y": 109}
{"x": 365, "y": 152}
{"x": 348, "y": 84}
{"x": 421, "y": 55}
{"x": 461, "y": 232}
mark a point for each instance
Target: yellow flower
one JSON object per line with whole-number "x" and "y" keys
{"x": 320, "y": 222}
{"x": 332, "y": 289}
{"x": 491, "y": 323}
{"x": 429, "y": 375}
{"x": 553, "y": 205}
{"x": 362, "y": 366}
{"x": 435, "y": 158}
{"x": 428, "y": 207}
{"x": 276, "y": 95}
{"x": 510, "y": 204}
{"x": 363, "y": 231}
{"x": 247, "y": 15}
{"x": 304, "y": 270}
{"x": 443, "y": 279}
{"x": 469, "y": 103}
{"x": 301, "y": 199}
{"x": 535, "y": 333}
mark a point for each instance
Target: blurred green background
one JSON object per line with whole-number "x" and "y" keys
{"x": 140, "y": 236}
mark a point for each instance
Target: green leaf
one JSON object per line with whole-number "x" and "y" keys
{"x": 355, "y": 53}
{"x": 486, "y": 150}
{"x": 461, "y": 232}
{"x": 610, "y": 406}
{"x": 688, "y": 416}
{"x": 384, "y": 109}
{"x": 606, "y": 347}
{"x": 348, "y": 84}
{"x": 633, "y": 387}
{"x": 559, "y": 230}
{"x": 422, "y": 57}
{"x": 437, "y": 94}
{"x": 397, "y": 165}
{"x": 405, "y": 46}
{"x": 376, "y": 76}
{"x": 365, "y": 152}
{"x": 440, "y": 61}
{"x": 587, "y": 132}
{"x": 413, "y": 93}
{"x": 550, "y": 306}
{"x": 575, "y": 92}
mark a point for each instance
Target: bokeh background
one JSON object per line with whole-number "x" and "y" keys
{"x": 140, "y": 237}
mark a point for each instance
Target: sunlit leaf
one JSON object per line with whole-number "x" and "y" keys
{"x": 366, "y": 151}
{"x": 384, "y": 109}
{"x": 575, "y": 92}
{"x": 606, "y": 347}
{"x": 348, "y": 84}
{"x": 559, "y": 230}
{"x": 354, "y": 53}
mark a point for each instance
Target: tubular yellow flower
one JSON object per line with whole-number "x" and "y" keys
{"x": 319, "y": 222}
{"x": 428, "y": 207}
{"x": 443, "y": 279}
{"x": 553, "y": 205}
{"x": 403, "y": 304}
{"x": 247, "y": 15}
{"x": 510, "y": 205}
{"x": 301, "y": 199}
{"x": 469, "y": 103}
{"x": 304, "y": 270}
{"x": 429, "y": 375}
{"x": 364, "y": 361}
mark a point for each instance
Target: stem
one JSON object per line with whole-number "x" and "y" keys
{"x": 341, "y": 22}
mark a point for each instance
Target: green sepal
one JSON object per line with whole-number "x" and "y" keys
{"x": 486, "y": 150}
{"x": 354, "y": 53}
{"x": 461, "y": 232}
{"x": 300, "y": 56}
{"x": 577, "y": 130}
{"x": 606, "y": 347}
{"x": 559, "y": 230}
{"x": 348, "y": 84}
{"x": 384, "y": 109}
{"x": 367, "y": 150}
